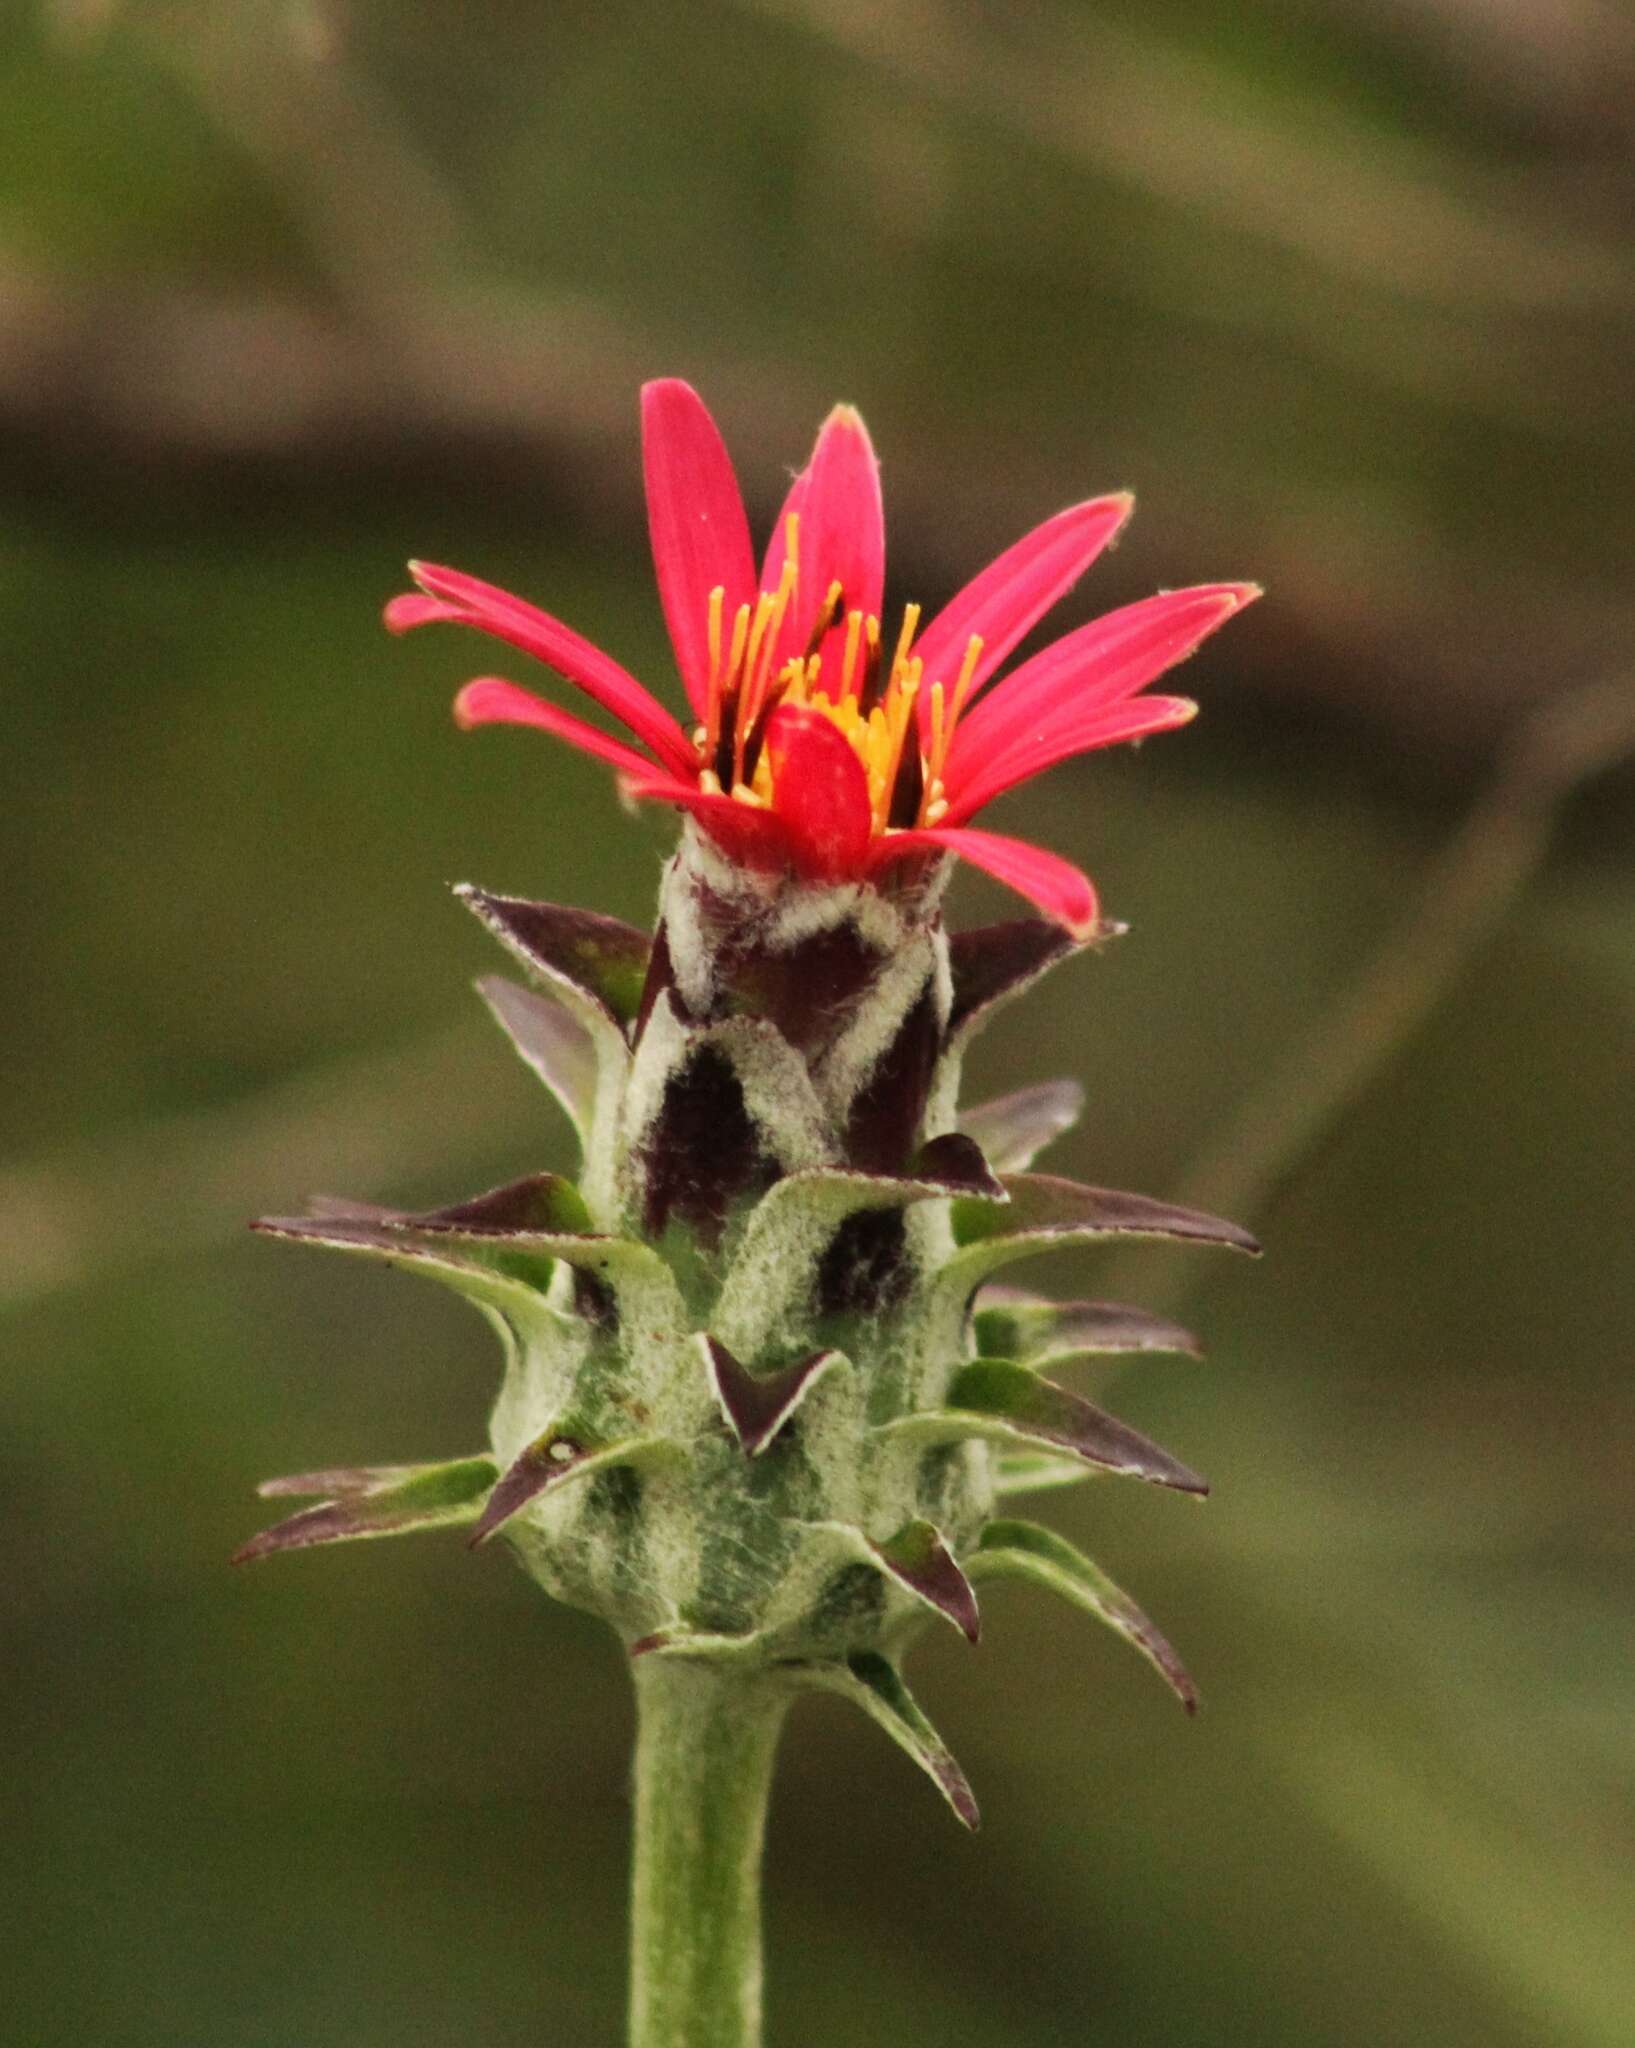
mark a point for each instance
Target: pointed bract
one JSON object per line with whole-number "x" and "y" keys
{"x": 757, "y": 1406}
{"x": 992, "y": 964}
{"x": 1024, "y": 1550}
{"x": 918, "y": 1556}
{"x": 552, "y": 1459}
{"x": 1000, "y": 1401}
{"x": 1046, "y": 1213}
{"x": 1010, "y": 1323}
{"x": 406, "y": 1498}
{"x": 597, "y": 959}
{"x": 874, "y": 1684}
{"x": 560, "y": 1051}
{"x": 1013, "y": 1130}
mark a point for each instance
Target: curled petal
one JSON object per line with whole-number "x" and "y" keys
{"x": 821, "y": 793}
{"x": 1111, "y": 658}
{"x": 744, "y": 832}
{"x": 492, "y": 701}
{"x": 467, "y": 601}
{"x": 1016, "y": 589}
{"x": 1059, "y": 889}
{"x": 1031, "y": 755}
{"x": 695, "y": 514}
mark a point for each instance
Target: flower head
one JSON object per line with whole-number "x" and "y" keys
{"x": 821, "y": 741}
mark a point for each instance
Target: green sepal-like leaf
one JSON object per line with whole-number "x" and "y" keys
{"x": 1008, "y": 1323}
{"x": 1013, "y": 1130}
{"x": 1036, "y": 1472}
{"x": 540, "y": 1216}
{"x": 790, "y": 1228}
{"x": 597, "y": 964}
{"x": 871, "y": 1682}
{"x": 1025, "y": 1550}
{"x": 1002, "y": 1402}
{"x": 517, "y": 1300}
{"x": 558, "y": 1049}
{"x": 1046, "y": 1213}
{"x": 554, "y": 1458}
{"x": 386, "y": 1500}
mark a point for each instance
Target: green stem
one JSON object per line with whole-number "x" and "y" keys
{"x": 705, "y": 1741}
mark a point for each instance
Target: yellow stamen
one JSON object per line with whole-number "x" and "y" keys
{"x": 712, "y": 694}
{"x": 735, "y": 653}
{"x": 911, "y": 625}
{"x": 848, "y": 666}
{"x": 962, "y": 689}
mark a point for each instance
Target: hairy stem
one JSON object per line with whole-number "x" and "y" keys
{"x": 705, "y": 1742}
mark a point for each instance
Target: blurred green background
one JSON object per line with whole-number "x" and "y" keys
{"x": 1346, "y": 290}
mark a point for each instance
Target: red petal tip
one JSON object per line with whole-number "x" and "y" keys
{"x": 405, "y": 611}
{"x": 467, "y": 706}
{"x": 656, "y": 386}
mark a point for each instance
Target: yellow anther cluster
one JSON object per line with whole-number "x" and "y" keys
{"x": 743, "y": 686}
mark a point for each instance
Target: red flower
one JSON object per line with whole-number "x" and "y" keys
{"x": 820, "y": 744}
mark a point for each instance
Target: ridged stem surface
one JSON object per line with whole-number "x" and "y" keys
{"x": 705, "y": 1743}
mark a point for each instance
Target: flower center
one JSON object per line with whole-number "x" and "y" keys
{"x": 870, "y": 703}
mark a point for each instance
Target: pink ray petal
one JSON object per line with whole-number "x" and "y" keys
{"x": 1112, "y": 657}
{"x": 490, "y": 700}
{"x": 753, "y": 837}
{"x": 1058, "y": 888}
{"x": 1016, "y": 589}
{"x": 794, "y": 504}
{"x": 695, "y": 514}
{"x": 415, "y": 608}
{"x": 842, "y": 534}
{"x": 1102, "y": 725}
{"x": 821, "y": 793}
{"x": 471, "y": 602}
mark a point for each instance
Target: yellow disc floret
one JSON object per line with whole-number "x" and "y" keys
{"x": 876, "y": 718}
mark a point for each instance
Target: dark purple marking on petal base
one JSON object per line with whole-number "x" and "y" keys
{"x": 546, "y": 1461}
{"x": 602, "y": 957}
{"x": 994, "y": 962}
{"x": 702, "y": 1153}
{"x": 887, "y": 1111}
{"x": 758, "y": 1407}
{"x": 1047, "y": 1414}
{"x": 809, "y": 990}
{"x": 865, "y": 1268}
{"x": 919, "y": 1557}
